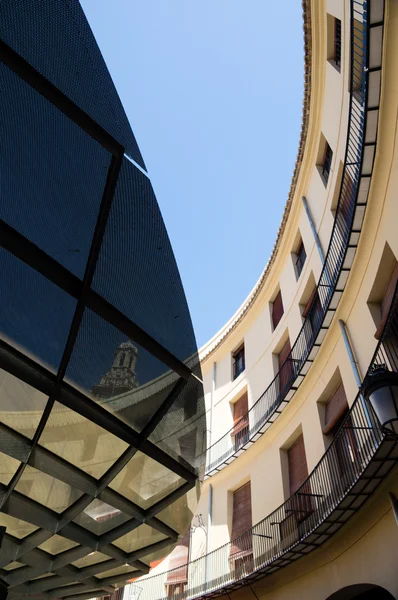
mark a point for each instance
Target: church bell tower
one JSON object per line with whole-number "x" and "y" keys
{"x": 121, "y": 376}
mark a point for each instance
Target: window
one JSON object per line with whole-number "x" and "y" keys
{"x": 285, "y": 368}
{"x": 383, "y": 290}
{"x": 301, "y": 255}
{"x": 326, "y": 163}
{"x": 238, "y": 361}
{"x": 177, "y": 576}
{"x": 337, "y": 42}
{"x": 277, "y": 309}
{"x": 297, "y": 461}
{"x": 386, "y": 301}
{"x": 313, "y": 313}
{"x": 334, "y": 41}
{"x": 241, "y": 553}
{"x": 343, "y": 456}
{"x": 299, "y": 507}
{"x": 240, "y": 431}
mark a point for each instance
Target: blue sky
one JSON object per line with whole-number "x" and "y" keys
{"x": 213, "y": 91}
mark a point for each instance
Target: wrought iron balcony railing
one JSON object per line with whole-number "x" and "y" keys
{"x": 339, "y": 256}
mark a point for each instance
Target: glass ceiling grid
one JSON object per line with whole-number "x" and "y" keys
{"x": 63, "y": 448}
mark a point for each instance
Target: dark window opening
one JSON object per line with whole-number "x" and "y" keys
{"x": 301, "y": 255}
{"x": 238, "y": 362}
{"x": 326, "y": 163}
{"x": 285, "y": 368}
{"x": 337, "y": 42}
{"x": 277, "y": 309}
{"x": 122, "y": 357}
{"x": 313, "y": 313}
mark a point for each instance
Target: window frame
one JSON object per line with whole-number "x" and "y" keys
{"x": 238, "y": 357}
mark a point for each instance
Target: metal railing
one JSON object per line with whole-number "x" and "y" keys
{"x": 355, "y": 444}
{"x": 269, "y": 403}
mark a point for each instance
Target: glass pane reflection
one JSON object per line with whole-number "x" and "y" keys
{"x": 100, "y": 517}
{"x": 48, "y": 491}
{"x": 80, "y": 442}
{"x": 91, "y": 559}
{"x": 21, "y": 406}
{"x": 57, "y": 544}
{"x": 16, "y": 527}
{"x": 144, "y": 481}
{"x": 143, "y": 536}
{"x": 8, "y": 467}
{"x": 117, "y": 571}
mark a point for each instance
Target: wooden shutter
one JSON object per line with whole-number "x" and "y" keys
{"x": 178, "y": 560}
{"x": 387, "y": 301}
{"x": 285, "y": 368}
{"x": 298, "y": 470}
{"x": 241, "y": 535}
{"x": 336, "y": 408}
{"x": 241, "y": 417}
{"x": 277, "y": 309}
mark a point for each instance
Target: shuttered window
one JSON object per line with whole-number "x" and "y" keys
{"x": 386, "y": 302}
{"x": 298, "y": 470}
{"x": 238, "y": 361}
{"x": 241, "y": 417}
{"x": 178, "y": 560}
{"x": 241, "y": 535}
{"x": 285, "y": 368}
{"x": 335, "y": 410}
{"x": 240, "y": 431}
{"x": 277, "y": 309}
{"x": 313, "y": 309}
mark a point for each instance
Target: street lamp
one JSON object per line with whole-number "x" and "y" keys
{"x": 380, "y": 388}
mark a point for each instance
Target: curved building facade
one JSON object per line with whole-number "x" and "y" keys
{"x": 102, "y": 414}
{"x": 300, "y": 484}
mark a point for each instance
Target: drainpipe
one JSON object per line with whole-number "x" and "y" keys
{"x": 208, "y": 535}
{"x": 210, "y": 497}
{"x": 355, "y": 368}
{"x": 314, "y": 231}
{"x": 317, "y": 240}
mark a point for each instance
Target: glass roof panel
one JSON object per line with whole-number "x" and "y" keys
{"x": 100, "y": 517}
{"x": 143, "y": 536}
{"x": 80, "y": 441}
{"x": 91, "y": 559}
{"x": 57, "y": 544}
{"x": 117, "y": 373}
{"x": 144, "y": 481}
{"x": 8, "y": 467}
{"x": 117, "y": 571}
{"x": 16, "y": 527}
{"x": 36, "y": 315}
{"x": 13, "y": 565}
{"x": 48, "y": 491}
{"x": 43, "y": 576}
{"x": 21, "y": 406}
{"x": 179, "y": 514}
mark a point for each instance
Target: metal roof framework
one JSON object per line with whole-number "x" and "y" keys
{"x": 32, "y": 563}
